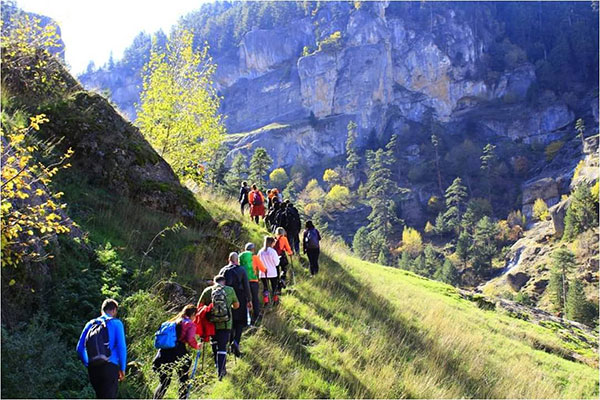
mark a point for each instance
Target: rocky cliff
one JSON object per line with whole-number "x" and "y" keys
{"x": 386, "y": 73}
{"x": 393, "y": 68}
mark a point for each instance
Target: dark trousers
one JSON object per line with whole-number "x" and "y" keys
{"x": 255, "y": 301}
{"x": 236, "y": 331}
{"x": 255, "y": 218}
{"x": 182, "y": 366}
{"x": 294, "y": 240}
{"x": 243, "y": 206}
{"x": 219, "y": 346}
{"x": 105, "y": 380}
{"x": 274, "y": 285}
{"x": 313, "y": 258}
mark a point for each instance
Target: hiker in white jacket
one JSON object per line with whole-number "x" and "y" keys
{"x": 270, "y": 260}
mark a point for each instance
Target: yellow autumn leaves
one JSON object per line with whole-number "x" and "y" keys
{"x": 29, "y": 210}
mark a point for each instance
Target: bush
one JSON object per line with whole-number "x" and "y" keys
{"x": 331, "y": 43}
{"x": 338, "y": 198}
{"x": 279, "y": 178}
{"x": 412, "y": 241}
{"x": 540, "y": 210}
{"x": 552, "y": 149}
{"x": 37, "y": 364}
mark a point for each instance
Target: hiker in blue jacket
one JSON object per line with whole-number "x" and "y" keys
{"x": 106, "y": 365}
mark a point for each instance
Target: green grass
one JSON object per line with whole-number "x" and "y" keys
{"x": 361, "y": 330}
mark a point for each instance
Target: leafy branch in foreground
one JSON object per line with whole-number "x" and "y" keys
{"x": 29, "y": 210}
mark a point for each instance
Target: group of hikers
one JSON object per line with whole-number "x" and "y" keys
{"x": 223, "y": 311}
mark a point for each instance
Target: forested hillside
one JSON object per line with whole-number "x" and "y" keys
{"x": 447, "y": 152}
{"x": 437, "y": 126}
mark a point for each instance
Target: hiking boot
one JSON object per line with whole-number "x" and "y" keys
{"x": 235, "y": 349}
{"x": 282, "y": 284}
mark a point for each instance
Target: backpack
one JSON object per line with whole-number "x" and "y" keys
{"x": 220, "y": 310}
{"x": 312, "y": 239}
{"x": 257, "y": 199}
{"x": 232, "y": 278}
{"x": 166, "y": 336}
{"x": 97, "y": 344}
{"x": 293, "y": 219}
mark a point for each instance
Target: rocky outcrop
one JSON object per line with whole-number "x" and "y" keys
{"x": 387, "y": 73}
{"x": 109, "y": 151}
{"x": 545, "y": 189}
{"x": 558, "y": 213}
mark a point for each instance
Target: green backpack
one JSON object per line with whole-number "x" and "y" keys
{"x": 220, "y": 311}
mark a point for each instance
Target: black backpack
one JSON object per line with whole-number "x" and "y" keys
{"x": 232, "y": 278}
{"x": 97, "y": 344}
{"x": 293, "y": 219}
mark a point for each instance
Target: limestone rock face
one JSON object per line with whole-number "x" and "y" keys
{"x": 545, "y": 189}
{"x": 261, "y": 49}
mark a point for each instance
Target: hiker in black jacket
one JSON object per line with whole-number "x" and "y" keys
{"x": 244, "y": 190}
{"x": 236, "y": 277}
{"x": 292, "y": 226}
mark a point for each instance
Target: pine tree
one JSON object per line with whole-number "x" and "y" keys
{"x": 435, "y": 142}
{"x": 237, "y": 173}
{"x": 484, "y": 246}
{"x": 361, "y": 244}
{"x": 563, "y": 263}
{"x": 216, "y": 167}
{"x": 449, "y": 274}
{"x": 419, "y": 266}
{"x": 259, "y": 166}
{"x": 352, "y": 158}
{"x": 463, "y": 246}
{"x": 456, "y": 195}
{"x": 380, "y": 191}
{"x": 432, "y": 263}
{"x": 581, "y": 214}
{"x": 487, "y": 161}
{"x": 385, "y": 257}
{"x": 405, "y": 262}
{"x": 576, "y": 306}
{"x": 580, "y": 128}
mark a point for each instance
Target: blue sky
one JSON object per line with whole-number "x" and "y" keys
{"x": 91, "y": 29}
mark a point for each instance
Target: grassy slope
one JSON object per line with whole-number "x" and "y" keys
{"x": 362, "y": 330}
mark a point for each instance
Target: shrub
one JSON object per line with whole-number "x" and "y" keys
{"x": 338, "y": 198}
{"x": 412, "y": 241}
{"x": 36, "y": 363}
{"x": 516, "y": 218}
{"x": 331, "y": 43}
{"x": 595, "y": 191}
{"x": 540, "y": 210}
{"x": 330, "y": 176}
{"x": 578, "y": 168}
{"x": 552, "y": 149}
{"x": 279, "y": 178}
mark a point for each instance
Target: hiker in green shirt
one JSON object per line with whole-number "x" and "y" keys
{"x": 223, "y": 299}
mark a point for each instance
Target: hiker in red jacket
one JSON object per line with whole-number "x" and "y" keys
{"x": 257, "y": 204}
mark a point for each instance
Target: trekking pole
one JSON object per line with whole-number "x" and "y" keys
{"x": 203, "y": 353}
{"x": 189, "y": 388}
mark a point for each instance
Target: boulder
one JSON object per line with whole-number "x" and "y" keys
{"x": 558, "y": 213}
{"x": 518, "y": 280}
{"x": 540, "y": 286}
{"x": 545, "y": 189}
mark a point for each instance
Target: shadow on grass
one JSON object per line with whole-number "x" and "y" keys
{"x": 404, "y": 338}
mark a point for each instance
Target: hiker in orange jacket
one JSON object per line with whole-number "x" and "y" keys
{"x": 257, "y": 204}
